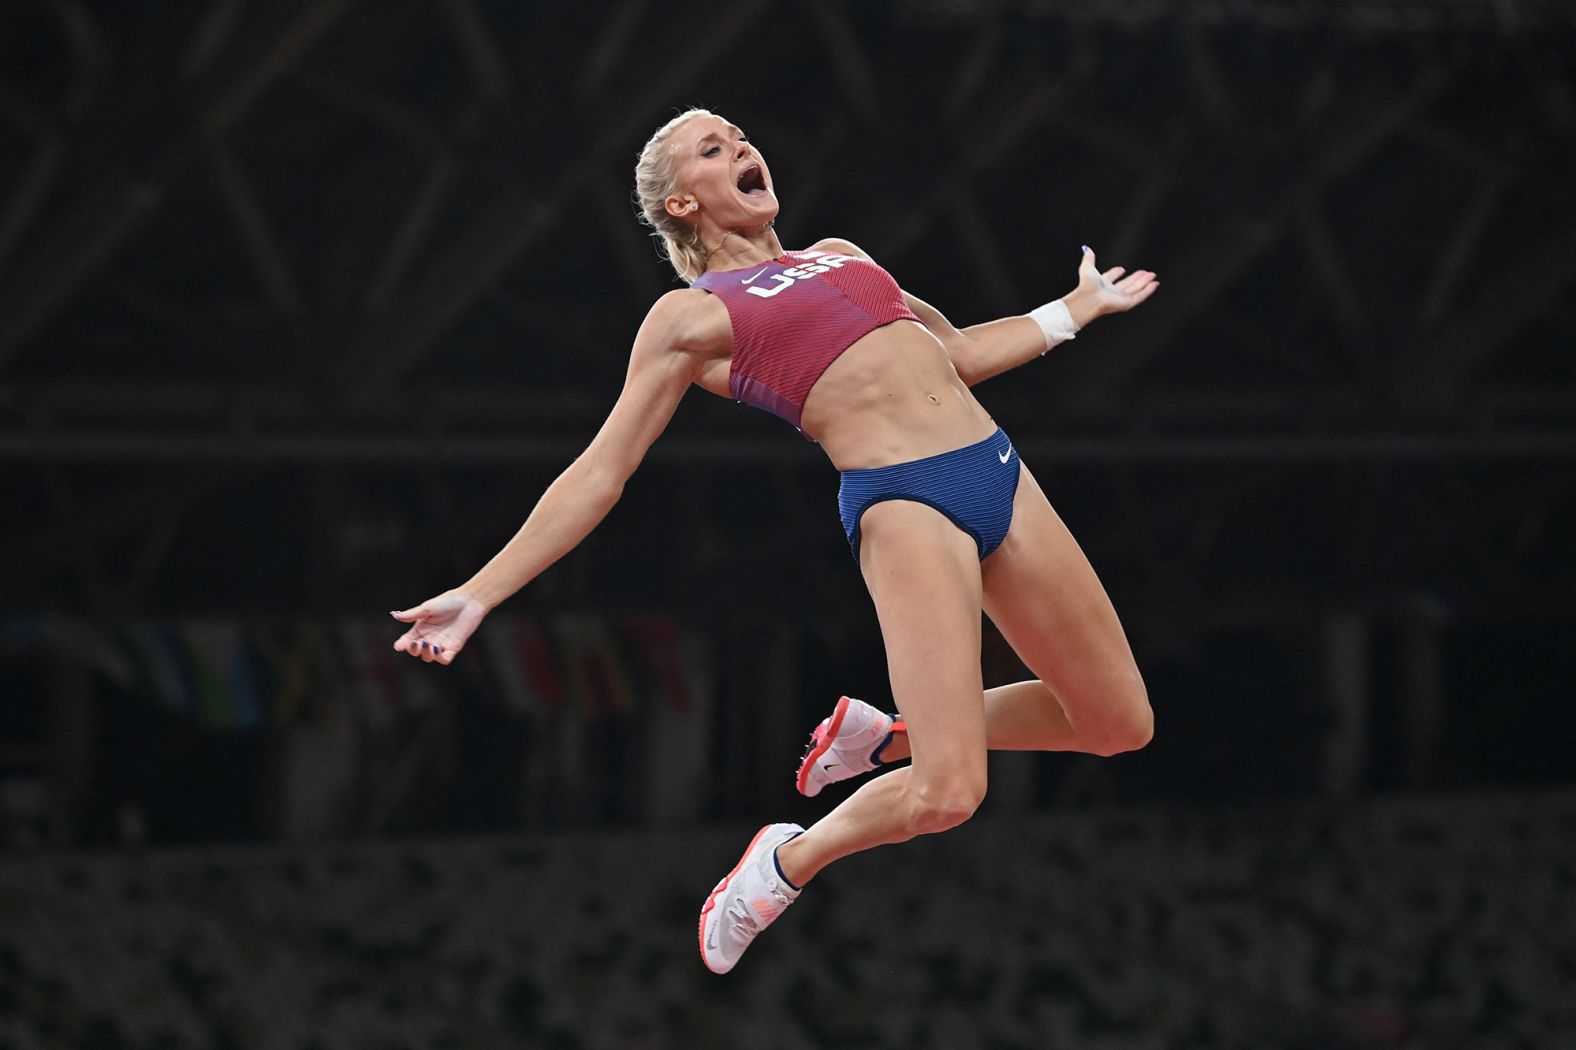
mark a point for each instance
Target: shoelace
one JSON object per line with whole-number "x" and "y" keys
{"x": 742, "y": 917}
{"x": 746, "y": 919}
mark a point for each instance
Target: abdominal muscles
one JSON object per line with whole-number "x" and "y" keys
{"x": 891, "y": 397}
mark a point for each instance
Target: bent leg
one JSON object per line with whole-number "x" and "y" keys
{"x": 1042, "y": 593}
{"x": 1023, "y": 716}
{"x": 924, "y": 577}
{"x": 1044, "y": 596}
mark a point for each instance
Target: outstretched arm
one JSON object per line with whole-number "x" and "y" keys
{"x": 661, "y": 367}
{"x": 984, "y": 350}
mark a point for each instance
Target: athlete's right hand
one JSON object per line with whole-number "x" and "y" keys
{"x": 440, "y": 627}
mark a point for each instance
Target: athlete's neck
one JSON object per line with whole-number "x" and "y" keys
{"x": 736, "y": 249}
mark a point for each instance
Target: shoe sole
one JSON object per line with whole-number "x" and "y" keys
{"x": 712, "y": 898}
{"x": 820, "y": 747}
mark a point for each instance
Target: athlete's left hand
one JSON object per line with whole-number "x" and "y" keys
{"x": 1111, "y": 292}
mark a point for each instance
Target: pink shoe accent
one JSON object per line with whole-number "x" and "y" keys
{"x": 820, "y": 742}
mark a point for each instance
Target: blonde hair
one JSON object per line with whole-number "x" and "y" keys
{"x": 655, "y": 180}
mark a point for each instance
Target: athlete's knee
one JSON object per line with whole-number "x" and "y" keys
{"x": 1132, "y": 734}
{"x": 938, "y": 805}
{"x": 1130, "y": 724}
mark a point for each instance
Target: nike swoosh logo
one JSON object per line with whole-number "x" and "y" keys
{"x": 748, "y": 280}
{"x": 831, "y": 765}
{"x": 1005, "y": 456}
{"x": 711, "y": 939}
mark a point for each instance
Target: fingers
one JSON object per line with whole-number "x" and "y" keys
{"x": 1139, "y": 284}
{"x": 410, "y": 615}
{"x": 1142, "y": 286}
{"x": 426, "y": 650}
{"x": 429, "y": 652}
{"x": 1086, "y": 267}
{"x": 432, "y": 652}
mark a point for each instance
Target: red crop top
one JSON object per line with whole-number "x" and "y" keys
{"x": 793, "y": 316}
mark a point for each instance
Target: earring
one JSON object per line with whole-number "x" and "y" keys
{"x": 694, "y": 207}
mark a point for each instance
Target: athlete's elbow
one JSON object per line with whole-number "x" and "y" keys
{"x": 602, "y": 483}
{"x": 964, "y": 362}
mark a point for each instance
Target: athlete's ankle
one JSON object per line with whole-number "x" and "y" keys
{"x": 894, "y": 748}
{"x": 789, "y": 859}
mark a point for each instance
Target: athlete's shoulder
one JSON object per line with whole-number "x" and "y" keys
{"x": 686, "y": 318}
{"x": 678, "y": 302}
{"x": 841, "y": 246}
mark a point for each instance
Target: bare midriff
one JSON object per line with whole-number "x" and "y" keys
{"x": 891, "y": 397}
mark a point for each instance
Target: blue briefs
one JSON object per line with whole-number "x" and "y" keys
{"x": 973, "y": 486}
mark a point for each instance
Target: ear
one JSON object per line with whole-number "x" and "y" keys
{"x": 678, "y": 205}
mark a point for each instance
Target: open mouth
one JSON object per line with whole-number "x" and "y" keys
{"x": 752, "y": 181}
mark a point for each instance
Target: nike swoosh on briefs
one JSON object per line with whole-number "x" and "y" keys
{"x": 1005, "y": 456}
{"x": 747, "y": 280}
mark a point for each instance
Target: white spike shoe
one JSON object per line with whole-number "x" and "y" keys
{"x": 746, "y": 901}
{"x": 844, "y": 745}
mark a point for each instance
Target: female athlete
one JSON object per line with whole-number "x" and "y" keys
{"x": 943, "y": 518}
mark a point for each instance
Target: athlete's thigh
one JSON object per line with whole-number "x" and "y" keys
{"x": 923, "y": 573}
{"x": 1044, "y": 597}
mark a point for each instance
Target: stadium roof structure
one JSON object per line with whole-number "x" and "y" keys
{"x": 376, "y": 262}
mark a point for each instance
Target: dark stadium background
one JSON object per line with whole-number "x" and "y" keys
{"x": 302, "y": 304}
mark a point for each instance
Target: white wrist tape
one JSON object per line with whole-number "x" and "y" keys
{"x": 1056, "y": 321}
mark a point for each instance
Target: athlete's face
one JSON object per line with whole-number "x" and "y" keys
{"x": 721, "y": 171}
